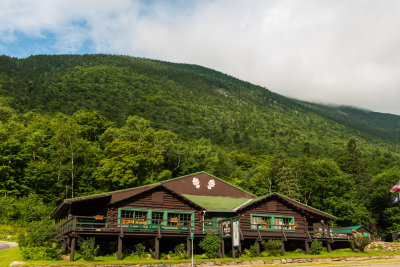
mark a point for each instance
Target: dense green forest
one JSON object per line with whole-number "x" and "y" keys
{"x": 73, "y": 125}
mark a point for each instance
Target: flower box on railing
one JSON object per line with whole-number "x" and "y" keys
{"x": 99, "y": 217}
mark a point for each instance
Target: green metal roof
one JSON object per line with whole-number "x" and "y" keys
{"x": 217, "y": 203}
{"x": 347, "y": 229}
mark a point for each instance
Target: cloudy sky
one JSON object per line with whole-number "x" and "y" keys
{"x": 330, "y": 51}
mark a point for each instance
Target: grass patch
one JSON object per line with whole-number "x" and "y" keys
{"x": 13, "y": 254}
{"x": 9, "y": 255}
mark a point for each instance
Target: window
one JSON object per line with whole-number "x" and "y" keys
{"x": 157, "y": 217}
{"x": 136, "y": 217}
{"x": 179, "y": 219}
{"x": 133, "y": 216}
{"x": 272, "y": 222}
{"x": 262, "y": 221}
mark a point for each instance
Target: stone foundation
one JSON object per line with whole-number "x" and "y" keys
{"x": 246, "y": 262}
{"x": 387, "y": 246}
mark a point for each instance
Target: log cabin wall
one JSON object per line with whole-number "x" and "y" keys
{"x": 156, "y": 199}
{"x": 270, "y": 206}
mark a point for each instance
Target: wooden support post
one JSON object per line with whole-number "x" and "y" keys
{"x": 189, "y": 247}
{"x": 223, "y": 248}
{"x": 233, "y": 251}
{"x": 258, "y": 248}
{"x": 157, "y": 247}
{"x": 68, "y": 243}
{"x": 306, "y": 247}
{"x": 72, "y": 252}
{"x": 64, "y": 246}
{"x": 283, "y": 248}
{"x": 329, "y": 248}
{"x": 119, "y": 257}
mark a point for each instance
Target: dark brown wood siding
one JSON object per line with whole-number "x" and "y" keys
{"x": 207, "y": 186}
{"x": 146, "y": 201}
{"x": 270, "y": 206}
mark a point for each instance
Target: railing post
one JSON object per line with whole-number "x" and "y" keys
{"x": 283, "y": 234}
{"x": 158, "y": 229}
{"x": 74, "y": 224}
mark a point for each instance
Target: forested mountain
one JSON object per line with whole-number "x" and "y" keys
{"x": 382, "y": 125}
{"x": 82, "y": 124}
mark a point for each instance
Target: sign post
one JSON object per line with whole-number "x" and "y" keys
{"x": 236, "y": 233}
{"x": 226, "y": 228}
{"x": 192, "y": 237}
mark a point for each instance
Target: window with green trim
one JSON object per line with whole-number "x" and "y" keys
{"x": 179, "y": 219}
{"x": 133, "y": 216}
{"x": 272, "y": 222}
{"x": 157, "y": 217}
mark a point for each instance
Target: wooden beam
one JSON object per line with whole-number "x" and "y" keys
{"x": 72, "y": 252}
{"x": 189, "y": 247}
{"x": 282, "y": 248}
{"x": 80, "y": 238}
{"x": 258, "y": 232}
{"x": 64, "y": 246}
{"x": 157, "y": 247}
{"x": 223, "y": 248}
{"x": 258, "y": 248}
{"x": 329, "y": 248}
{"x": 233, "y": 251}
{"x": 119, "y": 257}
{"x": 241, "y": 236}
{"x": 306, "y": 247}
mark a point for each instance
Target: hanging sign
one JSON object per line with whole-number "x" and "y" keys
{"x": 226, "y": 228}
{"x": 236, "y": 233}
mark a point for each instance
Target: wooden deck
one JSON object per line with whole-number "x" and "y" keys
{"x": 79, "y": 227}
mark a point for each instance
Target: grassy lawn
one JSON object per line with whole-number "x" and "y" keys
{"x": 9, "y": 255}
{"x": 13, "y": 254}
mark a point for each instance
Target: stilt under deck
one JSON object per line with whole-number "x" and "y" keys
{"x": 77, "y": 227}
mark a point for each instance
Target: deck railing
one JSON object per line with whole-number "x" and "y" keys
{"x": 175, "y": 226}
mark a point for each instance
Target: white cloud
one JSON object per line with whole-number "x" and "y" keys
{"x": 336, "y": 51}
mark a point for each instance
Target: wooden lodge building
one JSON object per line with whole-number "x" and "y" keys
{"x": 188, "y": 207}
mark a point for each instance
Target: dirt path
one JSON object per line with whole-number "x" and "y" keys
{"x": 6, "y": 244}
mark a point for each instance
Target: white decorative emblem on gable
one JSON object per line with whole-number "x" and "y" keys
{"x": 211, "y": 184}
{"x": 196, "y": 182}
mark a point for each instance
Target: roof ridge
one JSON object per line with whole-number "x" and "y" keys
{"x": 110, "y": 192}
{"x": 156, "y": 183}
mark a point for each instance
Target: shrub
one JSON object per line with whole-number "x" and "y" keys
{"x": 361, "y": 241}
{"x": 316, "y": 247}
{"x": 39, "y": 234}
{"x": 140, "y": 250}
{"x": 298, "y": 251}
{"x": 253, "y": 250}
{"x": 40, "y": 253}
{"x": 180, "y": 251}
{"x": 210, "y": 245}
{"x": 272, "y": 246}
{"x": 88, "y": 249}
